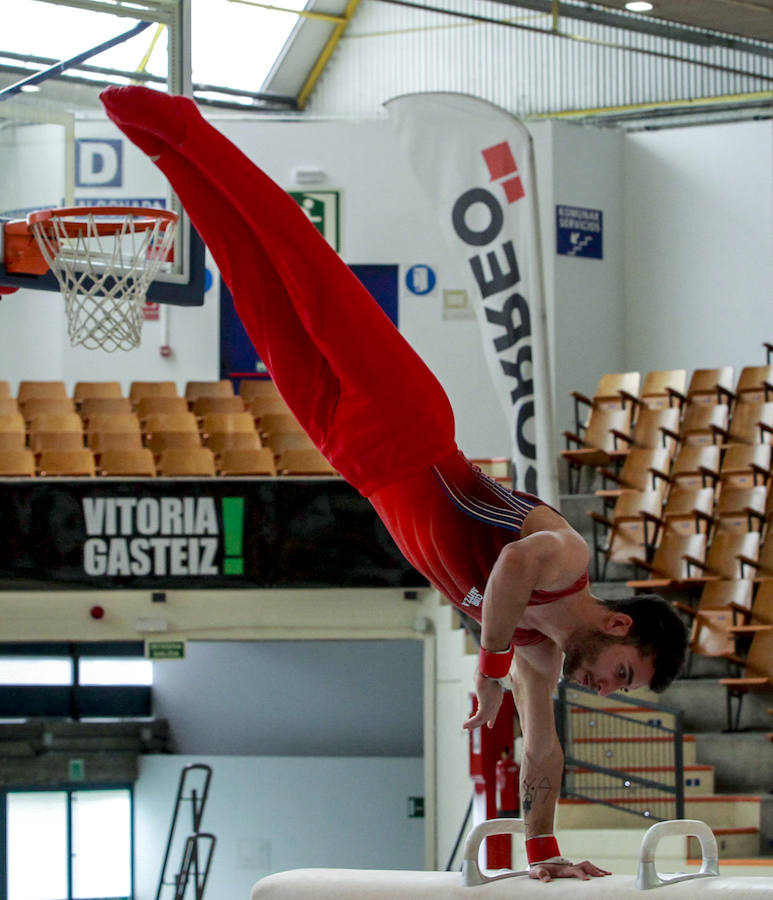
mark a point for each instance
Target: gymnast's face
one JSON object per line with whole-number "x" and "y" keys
{"x": 604, "y": 663}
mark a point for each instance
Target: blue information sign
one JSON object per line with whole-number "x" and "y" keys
{"x": 579, "y": 232}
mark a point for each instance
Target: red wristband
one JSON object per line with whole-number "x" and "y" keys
{"x": 494, "y": 665}
{"x": 538, "y": 849}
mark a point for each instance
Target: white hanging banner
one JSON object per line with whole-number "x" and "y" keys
{"x": 476, "y": 163}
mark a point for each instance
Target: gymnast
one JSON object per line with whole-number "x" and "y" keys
{"x": 381, "y": 418}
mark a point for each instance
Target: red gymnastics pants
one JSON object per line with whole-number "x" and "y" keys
{"x": 360, "y": 391}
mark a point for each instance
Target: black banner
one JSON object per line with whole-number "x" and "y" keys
{"x": 194, "y": 534}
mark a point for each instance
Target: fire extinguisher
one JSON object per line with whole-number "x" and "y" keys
{"x": 507, "y": 772}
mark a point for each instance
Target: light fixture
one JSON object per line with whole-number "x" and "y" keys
{"x": 30, "y": 88}
{"x": 638, "y": 6}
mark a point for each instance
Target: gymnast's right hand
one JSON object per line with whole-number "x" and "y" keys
{"x": 489, "y": 693}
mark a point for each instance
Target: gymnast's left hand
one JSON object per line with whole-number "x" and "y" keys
{"x": 584, "y": 871}
{"x": 489, "y": 694}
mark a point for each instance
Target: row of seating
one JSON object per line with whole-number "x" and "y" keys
{"x": 209, "y": 431}
{"x": 708, "y": 412}
{"x": 683, "y": 470}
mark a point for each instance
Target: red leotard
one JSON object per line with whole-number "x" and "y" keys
{"x": 361, "y": 392}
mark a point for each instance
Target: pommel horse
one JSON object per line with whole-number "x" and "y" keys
{"x": 472, "y": 884}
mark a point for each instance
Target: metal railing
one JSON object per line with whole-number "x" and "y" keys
{"x": 622, "y": 753}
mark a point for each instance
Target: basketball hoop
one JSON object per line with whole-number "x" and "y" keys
{"x": 104, "y": 258}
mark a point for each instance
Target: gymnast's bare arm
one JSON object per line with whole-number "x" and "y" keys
{"x": 549, "y": 555}
{"x": 536, "y": 670}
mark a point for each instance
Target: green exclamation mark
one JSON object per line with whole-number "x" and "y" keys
{"x": 233, "y": 527}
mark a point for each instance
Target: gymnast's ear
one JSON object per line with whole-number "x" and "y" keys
{"x": 617, "y": 624}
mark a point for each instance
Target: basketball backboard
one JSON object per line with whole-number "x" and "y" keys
{"x": 58, "y": 148}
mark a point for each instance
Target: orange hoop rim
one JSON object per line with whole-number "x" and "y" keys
{"x": 145, "y": 218}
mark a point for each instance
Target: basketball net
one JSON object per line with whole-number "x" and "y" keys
{"x": 104, "y": 260}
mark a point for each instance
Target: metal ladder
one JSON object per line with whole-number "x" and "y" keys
{"x": 195, "y": 862}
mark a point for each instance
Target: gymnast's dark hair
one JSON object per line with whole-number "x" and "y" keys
{"x": 657, "y": 631}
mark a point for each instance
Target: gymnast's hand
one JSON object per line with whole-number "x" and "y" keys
{"x": 584, "y": 871}
{"x": 489, "y": 693}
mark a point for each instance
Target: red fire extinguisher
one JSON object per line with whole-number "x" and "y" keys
{"x": 507, "y": 772}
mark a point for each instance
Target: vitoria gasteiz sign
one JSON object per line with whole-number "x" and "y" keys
{"x": 194, "y": 534}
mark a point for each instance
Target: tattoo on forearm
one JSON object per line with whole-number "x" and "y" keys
{"x": 534, "y": 791}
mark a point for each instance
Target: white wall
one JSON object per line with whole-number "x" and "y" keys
{"x": 270, "y": 814}
{"x": 699, "y": 246}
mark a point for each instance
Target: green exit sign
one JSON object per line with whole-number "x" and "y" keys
{"x": 165, "y": 650}
{"x": 416, "y": 807}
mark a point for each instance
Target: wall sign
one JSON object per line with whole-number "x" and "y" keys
{"x": 579, "y": 232}
{"x": 159, "y": 533}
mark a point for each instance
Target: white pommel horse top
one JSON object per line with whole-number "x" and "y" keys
{"x": 472, "y": 884}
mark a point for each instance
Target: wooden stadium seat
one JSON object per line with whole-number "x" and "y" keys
{"x": 745, "y": 465}
{"x": 12, "y": 422}
{"x": 99, "y": 441}
{"x": 12, "y": 440}
{"x": 249, "y": 388}
{"x": 734, "y": 594}
{"x": 172, "y": 422}
{"x": 92, "y": 390}
{"x": 104, "y": 406}
{"x": 220, "y": 441}
{"x": 263, "y": 406}
{"x": 192, "y": 461}
{"x": 278, "y": 422}
{"x": 118, "y": 422}
{"x": 131, "y": 462}
{"x": 644, "y": 469}
{"x": 500, "y": 468}
{"x": 213, "y": 423}
{"x": 304, "y": 462}
{"x": 28, "y": 389}
{"x": 696, "y": 465}
{"x": 756, "y": 674}
{"x": 202, "y": 406}
{"x": 761, "y": 567}
{"x": 55, "y": 440}
{"x": 710, "y": 386}
{"x": 247, "y": 462}
{"x": 670, "y": 564}
{"x": 17, "y": 463}
{"x": 755, "y": 383}
{"x": 664, "y": 388}
{"x": 689, "y": 510}
{"x": 613, "y": 391}
{"x": 704, "y": 423}
{"x": 740, "y": 509}
{"x": 712, "y": 634}
{"x": 629, "y": 530}
{"x": 653, "y": 427}
{"x": 5, "y": 389}
{"x": 37, "y": 406}
{"x": 597, "y": 445}
{"x": 751, "y": 423}
{"x": 160, "y": 441}
{"x": 161, "y": 406}
{"x": 289, "y": 440}
{"x": 67, "y": 462}
{"x": 725, "y": 556}
{"x": 8, "y": 406}
{"x": 140, "y": 389}
{"x": 56, "y": 422}
{"x": 195, "y": 389}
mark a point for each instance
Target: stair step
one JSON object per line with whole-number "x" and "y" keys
{"x": 698, "y": 780}
{"x": 621, "y": 752}
{"x": 733, "y": 843}
{"x": 717, "y": 811}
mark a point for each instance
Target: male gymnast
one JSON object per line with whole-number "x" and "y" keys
{"x": 379, "y": 415}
